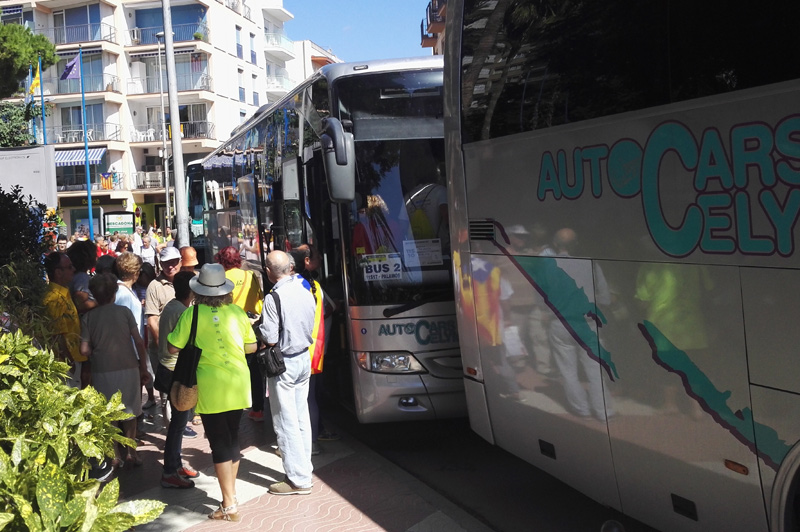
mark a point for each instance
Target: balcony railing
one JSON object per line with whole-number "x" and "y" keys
{"x": 279, "y": 40}
{"x": 248, "y": 14}
{"x": 91, "y": 83}
{"x": 426, "y": 40}
{"x": 279, "y": 84}
{"x": 236, "y": 5}
{"x": 98, "y": 31}
{"x": 143, "y": 180}
{"x": 185, "y": 82}
{"x": 182, "y": 32}
{"x": 189, "y": 130}
{"x": 106, "y": 181}
{"x": 435, "y": 19}
{"x": 74, "y": 133}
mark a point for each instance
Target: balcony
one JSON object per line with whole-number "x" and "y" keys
{"x": 182, "y": 33}
{"x": 426, "y": 40}
{"x": 435, "y": 16}
{"x": 189, "y": 130}
{"x": 80, "y": 33}
{"x": 107, "y": 181}
{"x": 91, "y": 83}
{"x": 150, "y": 180}
{"x": 73, "y": 134}
{"x": 278, "y": 86}
{"x": 235, "y": 5}
{"x": 279, "y": 46}
{"x": 185, "y": 82}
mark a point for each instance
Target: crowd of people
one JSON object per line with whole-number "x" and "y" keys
{"x": 123, "y": 307}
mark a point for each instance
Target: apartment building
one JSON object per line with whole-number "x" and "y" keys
{"x": 431, "y": 28}
{"x": 230, "y": 57}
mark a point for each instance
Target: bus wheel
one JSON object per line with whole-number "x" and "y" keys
{"x": 785, "y": 502}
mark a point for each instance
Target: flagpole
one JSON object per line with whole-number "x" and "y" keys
{"x": 32, "y": 100}
{"x": 86, "y": 145}
{"x": 41, "y": 94}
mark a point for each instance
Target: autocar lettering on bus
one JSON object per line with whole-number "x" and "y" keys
{"x": 720, "y": 178}
{"x": 425, "y": 332}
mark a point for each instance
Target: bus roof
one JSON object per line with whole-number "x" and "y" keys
{"x": 333, "y": 72}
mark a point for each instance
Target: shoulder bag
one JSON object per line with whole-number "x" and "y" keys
{"x": 270, "y": 359}
{"x": 183, "y": 392}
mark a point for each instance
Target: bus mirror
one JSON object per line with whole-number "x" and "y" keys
{"x": 339, "y": 159}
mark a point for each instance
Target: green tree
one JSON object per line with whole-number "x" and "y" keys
{"x": 14, "y": 118}
{"x": 20, "y": 48}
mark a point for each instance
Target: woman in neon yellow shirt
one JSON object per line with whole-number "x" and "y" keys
{"x": 223, "y": 381}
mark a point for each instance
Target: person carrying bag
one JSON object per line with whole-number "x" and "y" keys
{"x": 183, "y": 391}
{"x": 270, "y": 359}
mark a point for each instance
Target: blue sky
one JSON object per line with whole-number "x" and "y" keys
{"x": 359, "y": 30}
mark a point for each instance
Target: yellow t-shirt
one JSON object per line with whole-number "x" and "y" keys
{"x": 246, "y": 290}
{"x": 62, "y": 310}
{"x": 223, "y": 379}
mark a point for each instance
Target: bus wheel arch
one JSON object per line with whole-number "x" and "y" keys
{"x": 784, "y": 508}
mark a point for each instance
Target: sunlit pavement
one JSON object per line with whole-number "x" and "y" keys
{"x": 354, "y": 489}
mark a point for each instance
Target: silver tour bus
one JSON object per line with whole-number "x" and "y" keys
{"x": 352, "y": 161}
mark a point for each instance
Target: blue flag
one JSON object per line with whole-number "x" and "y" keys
{"x": 73, "y": 70}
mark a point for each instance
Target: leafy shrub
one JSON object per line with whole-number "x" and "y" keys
{"x": 48, "y": 433}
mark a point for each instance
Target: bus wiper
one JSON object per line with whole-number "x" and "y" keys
{"x": 417, "y": 302}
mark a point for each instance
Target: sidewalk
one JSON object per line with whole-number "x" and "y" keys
{"x": 354, "y": 489}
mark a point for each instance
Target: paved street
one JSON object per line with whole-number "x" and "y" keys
{"x": 394, "y": 477}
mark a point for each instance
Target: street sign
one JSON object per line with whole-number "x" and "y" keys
{"x": 138, "y": 212}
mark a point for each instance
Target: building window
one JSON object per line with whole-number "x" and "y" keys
{"x": 253, "y": 48}
{"x": 239, "y": 49}
{"x": 242, "y": 116}
{"x": 241, "y": 85}
{"x": 255, "y": 90}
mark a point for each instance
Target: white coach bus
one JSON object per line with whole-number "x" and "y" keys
{"x": 352, "y": 161}
{"x": 625, "y": 189}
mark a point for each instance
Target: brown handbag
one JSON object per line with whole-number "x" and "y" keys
{"x": 183, "y": 392}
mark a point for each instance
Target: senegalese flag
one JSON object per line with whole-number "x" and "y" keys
{"x": 35, "y": 83}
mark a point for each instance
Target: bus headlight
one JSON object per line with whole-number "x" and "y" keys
{"x": 389, "y": 362}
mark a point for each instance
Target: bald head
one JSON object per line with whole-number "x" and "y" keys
{"x": 278, "y": 265}
{"x": 564, "y": 240}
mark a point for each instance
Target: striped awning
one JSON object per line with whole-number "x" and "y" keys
{"x": 77, "y": 157}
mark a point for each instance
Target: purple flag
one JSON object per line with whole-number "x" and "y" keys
{"x": 73, "y": 70}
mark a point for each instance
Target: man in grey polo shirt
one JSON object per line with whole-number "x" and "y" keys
{"x": 288, "y": 392}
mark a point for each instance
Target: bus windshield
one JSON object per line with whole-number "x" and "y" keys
{"x": 398, "y": 231}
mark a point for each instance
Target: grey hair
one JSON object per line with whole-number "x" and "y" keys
{"x": 280, "y": 263}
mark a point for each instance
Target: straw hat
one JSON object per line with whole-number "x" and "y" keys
{"x": 211, "y": 281}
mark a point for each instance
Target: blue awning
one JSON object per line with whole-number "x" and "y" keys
{"x": 77, "y": 157}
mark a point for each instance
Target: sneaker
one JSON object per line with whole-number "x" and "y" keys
{"x": 315, "y": 448}
{"x": 102, "y": 471}
{"x": 256, "y": 416}
{"x": 188, "y": 471}
{"x": 189, "y": 432}
{"x": 150, "y": 403}
{"x": 327, "y": 435}
{"x": 174, "y": 480}
{"x": 287, "y": 488}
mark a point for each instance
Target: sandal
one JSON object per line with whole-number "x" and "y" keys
{"x": 197, "y": 420}
{"x": 229, "y": 513}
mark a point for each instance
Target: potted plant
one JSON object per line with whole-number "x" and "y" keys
{"x": 198, "y": 36}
